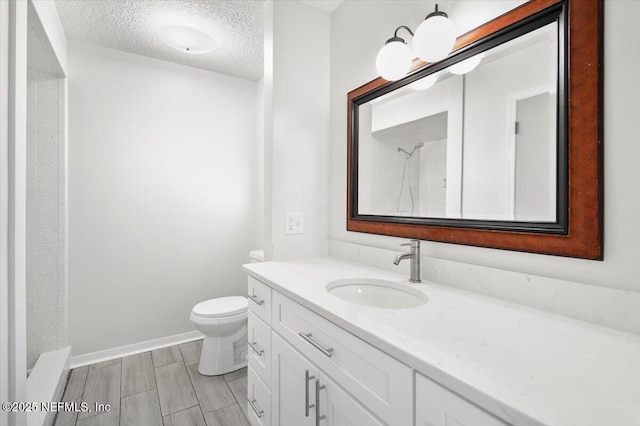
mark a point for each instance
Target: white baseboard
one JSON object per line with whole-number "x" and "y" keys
{"x": 136, "y": 348}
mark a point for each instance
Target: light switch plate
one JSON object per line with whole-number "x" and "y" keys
{"x": 293, "y": 223}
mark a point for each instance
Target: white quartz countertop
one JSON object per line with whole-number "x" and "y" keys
{"x": 526, "y": 366}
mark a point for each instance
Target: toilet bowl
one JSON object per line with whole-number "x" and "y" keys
{"x": 223, "y": 321}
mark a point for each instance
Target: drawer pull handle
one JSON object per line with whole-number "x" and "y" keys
{"x": 254, "y": 408}
{"x": 318, "y": 346}
{"x": 307, "y": 379}
{"x": 258, "y": 352}
{"x": 318, "y": 416}
{"x": 255, "y": 299}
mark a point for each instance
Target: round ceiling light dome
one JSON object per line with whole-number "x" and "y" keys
{"x": 187, "y": 39}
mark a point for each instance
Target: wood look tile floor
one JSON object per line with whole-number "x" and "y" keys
{"x": 157, "y": 388}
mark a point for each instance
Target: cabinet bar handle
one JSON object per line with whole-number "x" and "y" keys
{"x": 318, "y": 346}
{"x": 255, "y": 299}
{"x": 254, "y": 408}
{"x": 307, "y": 379}
{"x": 259, "y": 352}
{"x": 318, "y": 416}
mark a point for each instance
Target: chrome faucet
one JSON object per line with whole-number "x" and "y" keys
{"x": 414, "y": 255}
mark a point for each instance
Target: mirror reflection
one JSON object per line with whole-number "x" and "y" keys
{"x": 477, "y": 140}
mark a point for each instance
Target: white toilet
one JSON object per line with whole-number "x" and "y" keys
{"x": 223, "y": 321}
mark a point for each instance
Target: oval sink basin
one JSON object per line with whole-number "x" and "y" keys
{"x": 377, "y": 293}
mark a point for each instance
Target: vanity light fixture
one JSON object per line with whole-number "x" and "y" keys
{"x": 467, "y": 65}
{"x": 435, "y": 37}
{"x": 394, "y": 59}
{"x": 187, "y": 39}
{"x": 425, "y": 82}
{"x": 433, "y": 41}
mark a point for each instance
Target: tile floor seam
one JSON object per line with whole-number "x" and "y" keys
{"x": 194, "y": 388}
{"x": 157, "y": 390}
{"x": 84, "y": 387}
{"x": 203, "y": 417}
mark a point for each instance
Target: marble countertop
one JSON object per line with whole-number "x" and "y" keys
{"x": 526, "y": 366}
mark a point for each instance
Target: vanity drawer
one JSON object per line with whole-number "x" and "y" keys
{"x": 378, "y": 381}
{"x": 258, "y": 400}
{"x": 260, "y": 348}
{"x": 260, "y": 299}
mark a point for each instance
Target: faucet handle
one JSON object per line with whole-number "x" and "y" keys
{"x": 412, "y": 243}
{"x": 405, "y": 244}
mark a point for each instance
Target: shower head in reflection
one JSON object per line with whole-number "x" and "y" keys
{"x": 409, "y": 154}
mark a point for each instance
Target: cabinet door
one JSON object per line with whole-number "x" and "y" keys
{"x": 292, "y": 385}
{"x": 340, "y": 409}
{"x": 438, "y": 406}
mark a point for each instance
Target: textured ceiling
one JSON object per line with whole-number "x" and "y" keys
{"x": 131, "y": 26}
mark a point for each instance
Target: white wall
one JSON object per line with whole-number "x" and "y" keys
{"x": 296, "y": 136}
{"x": 161, "y": 163}
{"x": 358, "y": 29}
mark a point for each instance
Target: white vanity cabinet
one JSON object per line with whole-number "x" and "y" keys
{"x": 293, "y": 380}
{"x": 380, "y": 382}
{"x": 438, "y": 406}
{"x": 304, "y": 396}
{"x": 259, "y": 354}
{"x": 306, "y": 371}
{"x": 258, "y": 400}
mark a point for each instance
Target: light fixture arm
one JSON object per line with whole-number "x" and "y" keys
{"x": 395, "y": 34}
{"x": 437, "y": 13}
{"x": 396, "y": 37}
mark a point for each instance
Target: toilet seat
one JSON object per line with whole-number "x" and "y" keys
{"x": 221, "y": 307}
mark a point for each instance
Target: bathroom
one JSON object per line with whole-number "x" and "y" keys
{"x": 137, "y": 179}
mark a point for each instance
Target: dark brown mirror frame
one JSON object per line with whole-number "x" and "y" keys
{"x": 580, "y": 230}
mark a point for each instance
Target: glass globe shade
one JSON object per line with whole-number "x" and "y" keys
{"x": 186, "y": 39}
{"x": 393, "y": 60}
{"x": 434, "y": 39}
{"x": 425, "y": 82}
{"x": 467, "y": 65}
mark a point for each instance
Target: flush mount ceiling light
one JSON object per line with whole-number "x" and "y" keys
{"x": 187, "y": 39}
{"x": 433, "y": 41}
{"x": 467, "y": 65}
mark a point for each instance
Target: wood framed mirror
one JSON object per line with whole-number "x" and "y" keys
{"x": 506, "y": 155}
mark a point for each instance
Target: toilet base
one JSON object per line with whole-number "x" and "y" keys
{"x": 215, "y": 370}
{"x": 223, "y": 355}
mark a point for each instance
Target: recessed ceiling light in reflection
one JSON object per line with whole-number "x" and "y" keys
{"x": 467, "y": 65}
{"x": 187, "y": 39}
{"x": 425, "y": 82}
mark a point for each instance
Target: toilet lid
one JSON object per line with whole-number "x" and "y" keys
{"x": 221, "y": 307}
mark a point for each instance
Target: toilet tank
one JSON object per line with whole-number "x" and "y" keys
{"x": 256, "y": 256}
